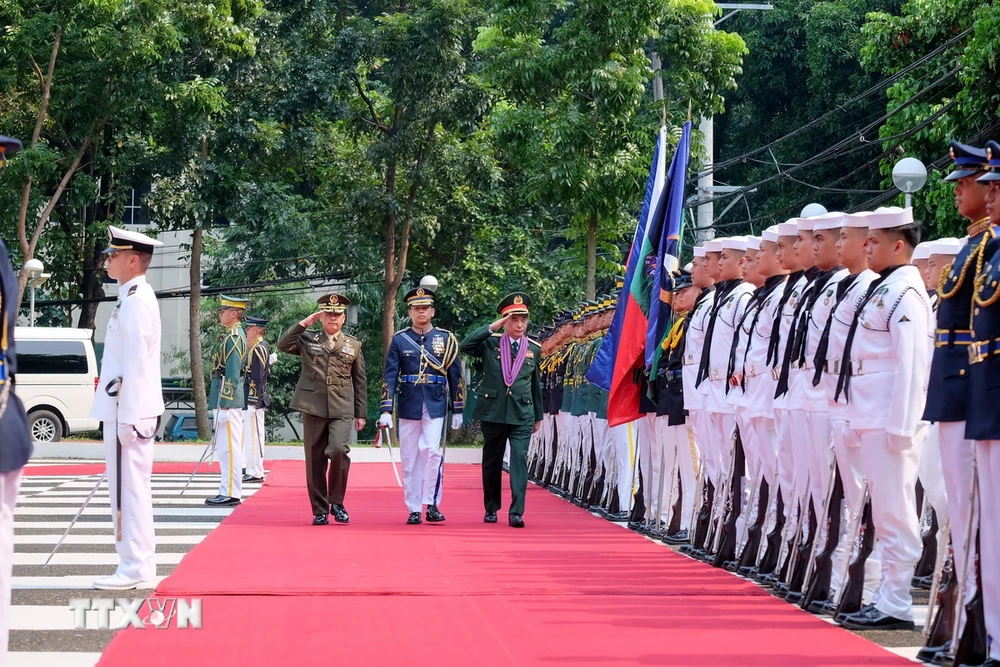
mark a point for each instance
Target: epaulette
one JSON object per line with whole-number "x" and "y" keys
{"x": 495, "y": 334}
{"x": 535, "y": 342}
{"x": 132, "y": 290}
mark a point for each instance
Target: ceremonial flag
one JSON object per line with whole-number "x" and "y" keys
{"x": 669, "y": 249}
{"x": 621, "y": 352}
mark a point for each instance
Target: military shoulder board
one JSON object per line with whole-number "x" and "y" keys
{"x": 132, "y": 290}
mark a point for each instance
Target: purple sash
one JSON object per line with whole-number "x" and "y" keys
{"x": 508, "y": 367}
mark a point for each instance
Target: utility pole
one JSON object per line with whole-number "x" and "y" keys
{"x": 706, "y": 181}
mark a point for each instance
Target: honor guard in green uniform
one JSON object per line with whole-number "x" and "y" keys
{"x": 509, "y": 404}
{"x": 332, "y": 396}
{"x": 258, "y": 371}
{"x": 226, "y": 397}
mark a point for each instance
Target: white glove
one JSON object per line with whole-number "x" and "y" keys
{"x": 385, "y": 420}
{"x": 273, "y": 359}
{"x": 851, "y": 437}
{"x": 899, "y": 443}
{"x": 456, "y": 422}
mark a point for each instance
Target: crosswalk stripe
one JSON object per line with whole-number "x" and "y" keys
{"x": 102, "y": 539}
{"x": 53, "y": 659}
{"x": 59, "y": 526}
{"x": 57, "y": 582}
{"x": 157, "y": 511}
{"x": 86, "y": 558}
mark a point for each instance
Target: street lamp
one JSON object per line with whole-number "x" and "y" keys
{"x": 909, "y": 175}
{"x": 812, "y": 210}
{"x": 429, "y": 282}
{"x": 33, "y": 269}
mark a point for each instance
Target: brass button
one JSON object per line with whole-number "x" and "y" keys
{"x": 977, "y": 311}
{"x": 961, "y": 372}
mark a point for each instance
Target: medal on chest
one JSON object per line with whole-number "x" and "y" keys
{"x": 437, "y": 344}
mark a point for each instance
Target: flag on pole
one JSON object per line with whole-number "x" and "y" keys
{"x": 621, "y": 352}
{"x": 669, "y": 249}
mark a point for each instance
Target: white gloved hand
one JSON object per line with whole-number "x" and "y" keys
{"x": 273, "y": 359}
{"x": 851, "y": 437}
{"x": 456, "y": 422}
{"x": 899, "y": 443}
{"x": 385, "y": 420}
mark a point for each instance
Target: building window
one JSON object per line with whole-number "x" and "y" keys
{"x": 135, "y": 212}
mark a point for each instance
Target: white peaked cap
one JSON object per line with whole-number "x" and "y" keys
{"x": 714, "y": 245}
{"x": 735, "y": 243}
{"x": 890, "y": 217}
{"x": 922, "y": 251}
{"x": 699, "y": 251}
{"x": 858, "y": 220}
{"x": 770, "y": 234}
{"x": 828, "y": 221}
{"x": 946, "y": 246}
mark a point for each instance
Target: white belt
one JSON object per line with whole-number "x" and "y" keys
{"x": 806, "y": 365}
{"x": 688, "y": 360}
{"x": 714, "y": 375}
{"x": 869, "y": 366}
{"x": 832, "y": 366}
{"x": 751, "y": 371}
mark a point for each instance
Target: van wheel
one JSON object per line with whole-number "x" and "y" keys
{"x": 44, "y": 426}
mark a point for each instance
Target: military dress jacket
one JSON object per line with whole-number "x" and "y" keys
{"x": 258, "y": 373}
{"x": 983, "y": 420}
{"x": 419, "y": 368}
{"x": 521, "y": 403}
{"x": 228, "y": 373}
{"x": 15, "y": 439}
{"x": 332, "y": 383}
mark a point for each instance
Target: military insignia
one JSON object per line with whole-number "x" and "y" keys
{"x": 348, "y": 350}
{"x": 437, "y": 345}
{"x": 132, "y": 290}
{"x": 421, "y": 292}
{"x": 880, "y": 304}
{"x": 904, "y": 318}
{"x": 530, "y": 355}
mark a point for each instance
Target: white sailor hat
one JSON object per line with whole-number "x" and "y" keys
{"x": 890, "y": 217}
{"x": 770, "y": 234}
{"x": 922, "y": 251}
{"x": 858, "y": 220}
{"x": 788, "y": 228}
{"x": 714, "y": 245}
{"x": 122, "y": 239}
{"x": 805, "y": 225}
{"x": 753, "y": 243}
{"x": 946, "y": 246}
{"x": 735, "y": 243}
{"x": 828, "y": 221}
{"x": 699, "y": 251}
{"x": 687, "y": 267}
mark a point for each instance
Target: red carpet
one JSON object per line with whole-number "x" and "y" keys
{"x": 98, "y": 468}
{"x": 569, "y": 589}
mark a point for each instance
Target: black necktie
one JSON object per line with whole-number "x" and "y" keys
{"x": 844, "y": 379}
{"x": 513, "y": 349}
{"x": 843, "y": 287}
{"x": 786, "y": 360}
{"x": 731, "y": 367}
{"x": 802, "y": 332}
{"x": 720, "y": 298}
{"x": 770, "y": 285}
{"x": 772, "y": 347}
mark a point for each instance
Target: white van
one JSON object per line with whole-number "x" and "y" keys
{"x": 56, "y": 379}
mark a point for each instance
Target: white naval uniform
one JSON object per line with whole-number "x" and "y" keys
{"x": 889, "y": 366}
{"x": 737, "y": 400}
{"x": 132, "y": 355}
{"x": 253, "y": 440}
{"x": 848, "y": 458}
{"x": 9, "y": 483}
{"x": 694, "y": 402}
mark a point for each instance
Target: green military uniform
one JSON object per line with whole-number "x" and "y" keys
{"x": 226, "y": 397}
{"x": 331, "y": 393}
{"x": 508, "y": 407}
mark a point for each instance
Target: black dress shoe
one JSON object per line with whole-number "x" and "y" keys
{"x": 491, "y": 517}
{"x": 250, "y": 479}
{"x": 617, "y": 516}
{"x": 434, "y": 515}
{"x": 413, "y": 519}
{"x": 680, "y": 537}
{"x": 339, "y": 514}
{"x": 320, "y": 520}
{"x": 871, "y": 618}
{"x": 991, "y": 662}
{"x": 223, "y": 501}
{"x": 515, "y": 521}
{"x": 927, "y": 653}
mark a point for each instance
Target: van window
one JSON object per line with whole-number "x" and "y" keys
{"x": 59, "y": 357}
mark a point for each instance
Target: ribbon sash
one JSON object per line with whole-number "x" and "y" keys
{"x": 510, "y": 368}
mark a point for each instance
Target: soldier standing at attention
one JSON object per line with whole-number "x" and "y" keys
{"x": 257, "y": 399}
{"x": 423, "y": 368}
{"x": 509, "y": 402}
{"x": 226, "y": 396}
{"x": 332, "y": 395}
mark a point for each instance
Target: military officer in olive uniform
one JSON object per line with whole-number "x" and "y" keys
{"x": 509, "y": 404}
{"x": 257, "y": 399}
{"x": 331, "y": 395}
{"x": 423, "y": 368}
{"x": 226, "y": 396}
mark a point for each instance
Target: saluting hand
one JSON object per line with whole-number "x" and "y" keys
{"x": 311, "y": 320}
{"x": 499, "y": 324}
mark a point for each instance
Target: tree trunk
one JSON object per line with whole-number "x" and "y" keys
{"x": 197, "y": 362}
{"x": 592, "y": 256}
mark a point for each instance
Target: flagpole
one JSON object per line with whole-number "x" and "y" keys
{"x": 658, "y": 86}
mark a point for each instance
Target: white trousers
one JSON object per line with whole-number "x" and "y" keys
{"x": 253, "y": 441}
{"x": 657, "y": 477}
{"x": 765, "y": 437}
{"x": 988, "y": 464}
{"x": 892, "y": 481}
{"x": 677, "y": 453}
{"x": 602, "y": 450}
{"x": 9, "y": 483}
{"x": 647, "y": 443}
{"x": 929, "y": 472}
{"x": 420, "y": 454}
{"x": 786, "y": 463}
{"x": 229, "y": 451}
{"x": 801, "y": 447}
{"x": 820, "y": 452}
{"x": 852, "y": 477}
{"x": 622, "y": 439}
{"x": 137, "y": 548}
{"x": 957, "y": 457}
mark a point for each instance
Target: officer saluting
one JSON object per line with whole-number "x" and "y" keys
{"x": 129, "y": 402}
{"x": 227, "y": 398}
{"x": 332, "y": 396}
{"x": 423, "y": 368}
{"x": 256, "y": 399}
{"x": 509, "y": 401}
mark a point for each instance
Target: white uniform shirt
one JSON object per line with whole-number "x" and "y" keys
{"x": 889, "y": 358}
{"x": 131, "y": 353}
{"x": 729, "y": 312}
{"x": 737, "y": 395}
{"x": 787, "y": 316}
{"x": 814, "y": 398}
{"x": 759, "y": 381}
{"x": 693, "y": 344}
{"x": 842, "y": 316}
